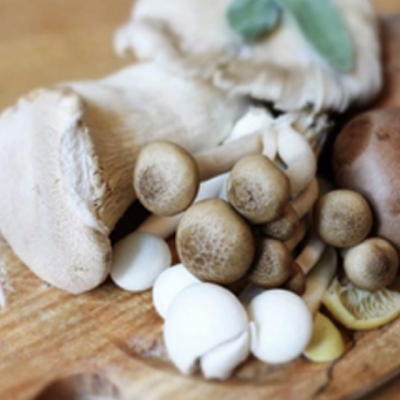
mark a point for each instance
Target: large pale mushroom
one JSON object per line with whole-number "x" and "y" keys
{"x": 281, "y": 67}
{"x": 66, "y": 160}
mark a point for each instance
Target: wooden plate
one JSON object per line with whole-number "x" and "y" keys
{"x": 57, "y": 346}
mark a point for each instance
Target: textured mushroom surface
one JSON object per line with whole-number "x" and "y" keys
{"x": 66, "y": 161}
{"x": 191, "y": 37}
{"x": 366, "y": 159}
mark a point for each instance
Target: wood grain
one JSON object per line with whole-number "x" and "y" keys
{"x": 109, "y": 340}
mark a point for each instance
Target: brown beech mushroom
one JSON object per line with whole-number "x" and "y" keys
{"x": 257, "y": 189}
{"x": 285, "y": 226}
{"x": 67, "y": 155}
{"x": 366, "y": 159}
{"x": 166, "y": 177}
{"x": 273, "y": 262}
{"x": 214, "y": 243}
{"x": 343, "y": 218}
{"x": 372, "y": 264}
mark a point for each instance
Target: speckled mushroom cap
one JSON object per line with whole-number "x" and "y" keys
{"x": 192, "y": 37}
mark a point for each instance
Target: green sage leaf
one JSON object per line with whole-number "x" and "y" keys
{"x": 324, "y": 27}
{"x": 253, "y": 18}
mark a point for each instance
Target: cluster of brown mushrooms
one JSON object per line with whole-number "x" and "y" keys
{"x": 256, "y": 232}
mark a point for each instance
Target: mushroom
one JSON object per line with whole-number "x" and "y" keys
{"x": 365, "y": 159}
{"x": 273, "y": 262}
{"x": 257, "y": 189}
{"x": 285, "y": 226}
{"x": 168, "y": 285}
{"x": 297, "y": 282}
{"x": 372, "y": 264}
{"x": 311, "y": 253}
{"x": 68, "y": 154}
{"x": 138, "y": 260}
{"x": 319, "y": 279}
{"x": 343, "y": 218}
{"x": 214, "y": 243}
{"x": 298, "y": 156}
{"x": 193, "y": 39}
{"x": 206, "y": 326}
{"x": 280, "y": 327}
{"x": 166, "y": 177}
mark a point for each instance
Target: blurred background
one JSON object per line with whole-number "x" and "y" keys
{"x": 47, "y": 41}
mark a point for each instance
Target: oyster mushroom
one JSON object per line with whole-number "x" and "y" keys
{"x": 195, "y": 39}
{"x": 69, "y": 154}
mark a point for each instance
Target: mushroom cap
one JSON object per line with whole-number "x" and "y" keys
{"x": 194, "y": 39}
{"x": 165, "y": 178}
{"x": 257, "y": 189}
{"x": 273, "y": 264}
{"x": 214, "y": 243}
{"x": 365, "y": 159}
{"x": 281, "y": 326}
{"x": 200, "y": 319}
{"x": 50, "y": 182}
{"x": 284, "y": 227}
{"x": 372, "y": 264}
{"x": 168, "y": 285}
{"x": 138, "y": 259}
{"x": 343, "y": 218}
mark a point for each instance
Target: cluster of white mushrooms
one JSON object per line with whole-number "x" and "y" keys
{"x": 222, "y": 139}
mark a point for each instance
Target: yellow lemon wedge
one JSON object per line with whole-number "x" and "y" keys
{"x": 360, "y": 309}
{"x": 326, "y": 342}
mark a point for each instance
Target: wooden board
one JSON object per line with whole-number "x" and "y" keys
{"x": 78, "y": 344}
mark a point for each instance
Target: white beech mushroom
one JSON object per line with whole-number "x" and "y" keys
{"x": 371, "y": 264}
{"x": 206, "y": 326}
{"x": 168, "y": 285}
{"x": 343, "y": 218}
{"x": 138, "y": 259}
{"x": 167, "y": 177}
{"x": 69, "y": 153}
{"x": 214, "y": 243}
{"x": 280, "y": 327}
{"x": 257, "y": 189}
{"x": 195, "y": 39}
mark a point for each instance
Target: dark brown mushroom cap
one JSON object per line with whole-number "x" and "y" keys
{"x": 284, "y": 227}
{"x": 214, "y": 243}
{"x": 366, "y": 158}
{"x": 166, "y": 178}
{"x": 257, "y": 189}
{"x": 372, "y": 264}
{"x": 272, "y": 265}
{"x": 343, "y": 218}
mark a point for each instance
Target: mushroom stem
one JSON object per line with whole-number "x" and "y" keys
{"x": 311, "y": 253}
{"x": 298, "y": 156}
{"x": 297, "y": 237}
{"x": 320, "y": 278}
{"x": 222, "y": 159}
{"x": 305, "y": 201}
